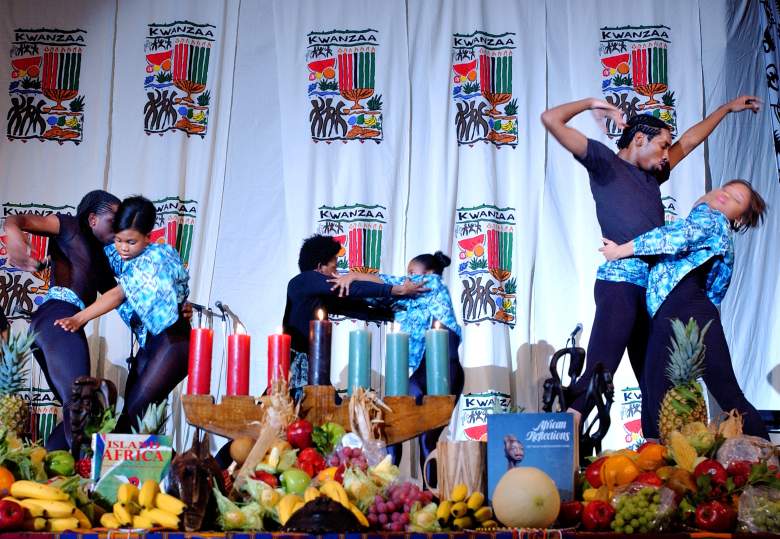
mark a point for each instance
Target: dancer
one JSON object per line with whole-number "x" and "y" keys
{"x": 689, "y": 279}
{"x": 152, "y": 288}
{"x": 79, "y": 270}
{"x": 416, "y": 315}
{"x": 311, "y": 290}
{"x": 625, "y": 186}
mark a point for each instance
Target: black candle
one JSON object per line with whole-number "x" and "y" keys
{"x": 319, "y": 350}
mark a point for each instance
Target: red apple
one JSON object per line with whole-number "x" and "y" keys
{"x": 715, "y": 516}
{"x": 266, "y": 478}
{"x": 714, "y": 469}
{"x": 593, "y": 472}
{"x": 649, "y": 478}
{"x": 597, "y": 516}
{"x": 299, "y": 434}
{"x": 570, "y": 513}
{"x": 11, "y": 515}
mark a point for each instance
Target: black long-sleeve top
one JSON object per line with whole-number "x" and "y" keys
{"x": 310, "y": 290}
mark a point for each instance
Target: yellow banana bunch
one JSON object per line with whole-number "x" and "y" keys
{"x": 48, "y": 508}
{"x": 334, "y": 491}
{"x": 38, "y": 491}
{"x": 144, "y": 508}
{"x": 62, "y": 524}
{"x": 36, "y": 524}
{"x": 127, "y": 493}
{"x": 311, "y": 493}
{"x": 464, "y": 511}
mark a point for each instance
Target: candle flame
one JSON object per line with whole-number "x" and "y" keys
{"x": 396, "y": 327}
{"x": 279, "y": 330}
{"x": 320, "y": 314}
{"x": 437, "y": 325}
{"x": 240, "y": 329}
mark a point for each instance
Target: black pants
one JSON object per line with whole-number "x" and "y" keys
{"x": 689, "y": 299}
{"x": 63, "y": 356}
{"x": 156, "y": 370}
{"x": 621, "y": 321}
{"x": 418, "y": 388}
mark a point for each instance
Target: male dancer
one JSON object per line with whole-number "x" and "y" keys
{"x": 626, "y": 188}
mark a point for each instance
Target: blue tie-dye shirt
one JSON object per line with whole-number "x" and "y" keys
{"x": 155, "y": 285}
{"x": 684, "y": 245}
{"x": 421, "y": 310}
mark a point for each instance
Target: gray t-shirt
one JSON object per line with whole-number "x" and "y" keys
{"x": 628, "y": 199}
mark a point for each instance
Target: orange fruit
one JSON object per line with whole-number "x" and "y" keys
{"x": 329, "y": 72}
{"x": 6, "y": 480}
{"x": 166, "y": 64}
{"x": 479, "y": 250}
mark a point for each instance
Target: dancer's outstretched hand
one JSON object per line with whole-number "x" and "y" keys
{"x": 602, "y": 109}
{"x": 72, "y": 323}
{"x": 745, "y": 102}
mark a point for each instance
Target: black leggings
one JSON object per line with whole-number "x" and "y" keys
{"x": 156, "y": 370}
{"x": 63, "y": 356}
{"x": 689, "y": 299}
{"x": 621, "y": 321}
{"x": 417, "y": 388}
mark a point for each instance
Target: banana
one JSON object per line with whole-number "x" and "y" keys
{"x": 147, "y": 493}
{"x": 335, "y": 491}
{"x": 121, "y": 513}
{"x": 297, "y": 506}
{"x": 483, "y": 513}
{"x": 462, "y": 523}
{"x": 33, "y": 509}
{"x": 108, "y": 520}
{"x": 50, "y": 508}
{"x": 311, "y": 493}
{"x": 489, "y": 524}
{"x": 34, "y": 524}
{"x": 475, "y": 501}
{"x": 459, "y": 510}
{"x": 38, "y": 491}
{"x": 127, "y": 492}
{"x": 84, "y": 522}
{"x": 459, "y": 492}
{"x": 285, "y": 507}
{"x": 62, "y": 524}
{"x": 169, "y": 503}
{"x": 163, "y": 518}
{"x": 142, "y": 522}
{"x": 359, "y": 515}
{"x": 443, "y": 511}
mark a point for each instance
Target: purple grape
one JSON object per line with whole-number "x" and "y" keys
{"x": 382, "y": 518}
{"x": 396, "y": 527}
{"x": 405, "y": 518}
{"x": 378, "y": 499}
{"x": 390, "y": 507}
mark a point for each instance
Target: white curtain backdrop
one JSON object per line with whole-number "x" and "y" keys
{"x": 400, "y": 127}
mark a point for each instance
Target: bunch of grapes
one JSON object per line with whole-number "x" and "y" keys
{"x": 392, "y": 513}
{"x": 351, "y": 457}
{"x": 638, "y": 512}
{"x": 765, "y": 514}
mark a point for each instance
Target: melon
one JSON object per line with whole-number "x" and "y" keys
{"x": 526, "y": 498}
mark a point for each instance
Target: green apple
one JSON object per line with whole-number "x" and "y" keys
{"x": 295, "y": 481}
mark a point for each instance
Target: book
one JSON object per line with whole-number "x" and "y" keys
{"x": 128, "y": 458}
{"x": 541, "y": 440}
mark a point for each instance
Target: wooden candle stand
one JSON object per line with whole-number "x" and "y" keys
{"x": 242, "y": 416}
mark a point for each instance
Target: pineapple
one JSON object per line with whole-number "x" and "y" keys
{"x": 14, "y": 410}
{"x": 684, "y": 402}
{"x": 153, "y": 421}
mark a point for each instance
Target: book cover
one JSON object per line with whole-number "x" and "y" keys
{"x": 123, "y": 458}
{"x": 542, "y": 440}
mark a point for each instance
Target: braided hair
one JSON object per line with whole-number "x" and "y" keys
{"x": 435, "y": 262}
{"x": 97, "y": 202}
{"x": 641, "y": 123}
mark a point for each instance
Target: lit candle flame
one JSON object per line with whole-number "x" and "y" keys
{"x": 240, "y": 329}
{"x": 396, "y": 327}
{"x": 279, "y": 330}
{"x": 437, "y": 325}
{"x": 320, "y": 314}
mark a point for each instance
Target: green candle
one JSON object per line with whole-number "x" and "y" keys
{"x": 359, "y": 372}
{"x": 437, "y": 369}
{"x": 397, "y": 364}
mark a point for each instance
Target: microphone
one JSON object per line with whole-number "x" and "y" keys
{"x": 576, "y": 331}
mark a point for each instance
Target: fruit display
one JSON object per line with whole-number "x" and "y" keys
{"x": 143, "y": 508}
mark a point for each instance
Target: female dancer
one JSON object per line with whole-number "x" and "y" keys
{"x": 152, "y": 288}
{"x": 689, "y": 278}
{"x": 79, "y": 270}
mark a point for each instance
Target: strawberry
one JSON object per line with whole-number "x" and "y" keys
{"x": 84, "y": 467}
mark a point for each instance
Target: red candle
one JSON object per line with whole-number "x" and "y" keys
{"x": 278, "y": 357}
{"x": 199, "y": 379}
{"x": 238, "y": 364}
